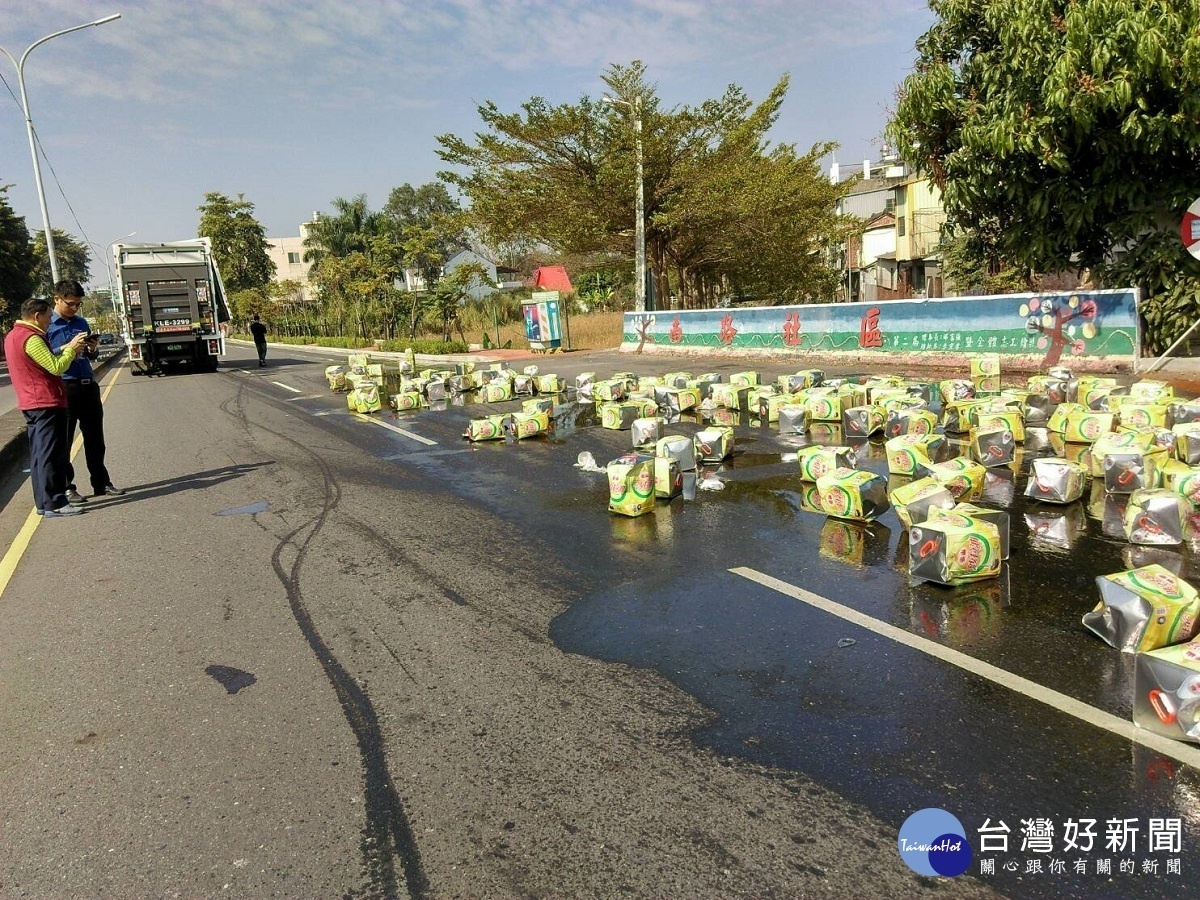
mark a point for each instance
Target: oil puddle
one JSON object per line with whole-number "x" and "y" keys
{"x": 233, "y": 680}
{"x": 249, "y": 509}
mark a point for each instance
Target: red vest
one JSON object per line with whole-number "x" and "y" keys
{"x": 35, "y": 387}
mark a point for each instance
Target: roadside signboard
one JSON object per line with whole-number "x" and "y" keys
{"x": 543, "y": 327}
{"x": 1189, "y": 229}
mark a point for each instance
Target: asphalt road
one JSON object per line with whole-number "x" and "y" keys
{"x": 311, "y": 655}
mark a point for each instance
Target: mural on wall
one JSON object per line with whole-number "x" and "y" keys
{"x": 1084, "y": 323}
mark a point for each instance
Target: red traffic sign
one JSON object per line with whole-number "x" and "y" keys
{"x": 1189, "y": 229}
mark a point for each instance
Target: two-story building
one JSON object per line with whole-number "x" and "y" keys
{"x": 894, "y": 254}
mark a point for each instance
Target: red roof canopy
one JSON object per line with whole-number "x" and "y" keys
{"x": 552, "y": 278}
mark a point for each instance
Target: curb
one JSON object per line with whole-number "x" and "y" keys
{"x": 14, "y": 442}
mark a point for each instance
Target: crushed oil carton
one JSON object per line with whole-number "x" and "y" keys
{"x": 1166, "y": 691}
{"x": 1053, "y": 480}
{"x": 1182, "y": 479}
{"x": 1037, "y": 409}
{"x": 1153, "y": 391}
{"x": 617, "y": 416}
{"x": 852, "y": 394}
{"x": 993, "y": 446}
{"x": 365, "y": 398}
{"x": 668, "y": 477}
{"x": 984, "y": 364}
{"x": 358, "y": 359}
{"x": 1058, "y": 419}
{"x": 1080, "y": 453}
{"x": 523, "y": 425}
{"x": 909, "y": 451}
{"x": 496, "y": 391}
{"x": 1144, "y": 609}
{"x": 1126, "y": 471}
{"x": 862, "y": 421}
{"x": 646, "y": 430}
{"x": 793, "y": 419}
{"x": 1135, "y": 415}
{"x": 730, "y": 396}
{"x": 1117, "y": 442}
{"x": 956, "y": 415}
{"x": 435, "y": 389}
{"x": 767, "y": 408}
{"x": 1156, "y": 516}
{"x": 1183, "y": 413}
{"x": 817, "y": 461}
{"x": 962, "y": 477}
{"x": 538, "y": 404}
{"x": 405, "y": 400}
{"x": 798, "y": 381}
{"x": 631, "y": 485}
{"x": 335, "y": 376}
{"x": 679, "y": 447}
{"x": 486, "y": 428}
{"x": 612, "y": 390}
{"x": 678, "y": 399}
{"x": 910, "y": 421}
{"x": 714, "y": 444}
{"x": 1187, "y": 443}
{"x": 549, "y": 384}
{"x": 997, "y": 517}
{"x": 952, "y": 389}
{"x": 676, "y": 379}
{"x": 646, "y": 406}
{"x": 853, "y": 494}
{"x": 755, "y": 395}
{"x": 823, "y": 407}
{"x": 1012, "y": 419}
{"x": 747, "y": 379}
{"x": 522, "y": 385}
{"x": 1086, "y": 426}
{"x": 956, "y": 549}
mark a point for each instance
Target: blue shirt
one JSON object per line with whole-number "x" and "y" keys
{"x": 60, "y": 333}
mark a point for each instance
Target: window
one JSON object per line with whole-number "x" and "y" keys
{"x": 889, "y": 205}
{"x": 899, "y": 227}
{"x": 293, "y": 258}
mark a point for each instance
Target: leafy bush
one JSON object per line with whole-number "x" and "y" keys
{"x": 425, "y": 346}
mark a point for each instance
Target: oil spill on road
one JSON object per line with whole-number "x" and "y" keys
{"x": 249, "y": 509}
{"x": 233, "y": 680}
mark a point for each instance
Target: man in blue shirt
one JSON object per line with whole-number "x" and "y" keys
{"x": 83, "y": 391}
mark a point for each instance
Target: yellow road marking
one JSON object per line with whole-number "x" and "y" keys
{"x": 8, "y": 564}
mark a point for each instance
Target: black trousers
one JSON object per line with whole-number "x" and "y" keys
{"x": 48, "y": 456}
{"x": 261, "y": 347}
{"x": 85, "y": 410}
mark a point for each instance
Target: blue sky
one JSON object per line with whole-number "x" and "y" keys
{"x": 295, "y": 102}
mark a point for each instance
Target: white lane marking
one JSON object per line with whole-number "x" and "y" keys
{"x": 1183, "y": 752}
{"x": 287, "y": 387}
{"x": 408, "y": 434}
{"x": 306, "y": 397}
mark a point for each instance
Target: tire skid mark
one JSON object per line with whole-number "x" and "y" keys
{"x": 387, "y": 834}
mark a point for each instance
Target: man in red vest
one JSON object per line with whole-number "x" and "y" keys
{"x": 36, "y": 375}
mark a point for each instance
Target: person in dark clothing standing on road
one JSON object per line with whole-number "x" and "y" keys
{"x": 83, "y": 391}
{"x": 36, "y": 378}
{"x": 259, "y": 331}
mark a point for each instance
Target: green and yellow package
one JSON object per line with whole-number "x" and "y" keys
{"x": 631, "y": 485}
{"x": 486, "y": 428}
{"x": 909, "y": 451}
{"x": 618, "y": 416}
{"x": 916, "y": 500}
{"x": 817, "y": 461}
{"x": 853, "y": 494}
{"x": 1144, "y": 609}
{"x": 962, "y": 477}
{"x": 956, "y": 549}
{"x": 405, "y": 400}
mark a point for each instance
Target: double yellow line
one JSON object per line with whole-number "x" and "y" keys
{"x": 20, "y": 543}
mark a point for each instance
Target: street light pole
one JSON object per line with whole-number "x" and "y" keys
{"x": 37, "y": 168}
{"x": 639, "y": 278}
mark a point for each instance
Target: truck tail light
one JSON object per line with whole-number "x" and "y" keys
{"x": 214, "y": 348}
{"x": 135, "y": 351}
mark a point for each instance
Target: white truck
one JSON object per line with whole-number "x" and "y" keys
{"x": 172, "y": 305}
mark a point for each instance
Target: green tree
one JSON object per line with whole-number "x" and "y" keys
{"x": 428, "y": 225}
{"x": 724, "y": 211}
{"x": 16, "y": 261}
{"x": 239, "y": 242}
{"x": 72, "y": 255}
{"x": 1064, "y": 134}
